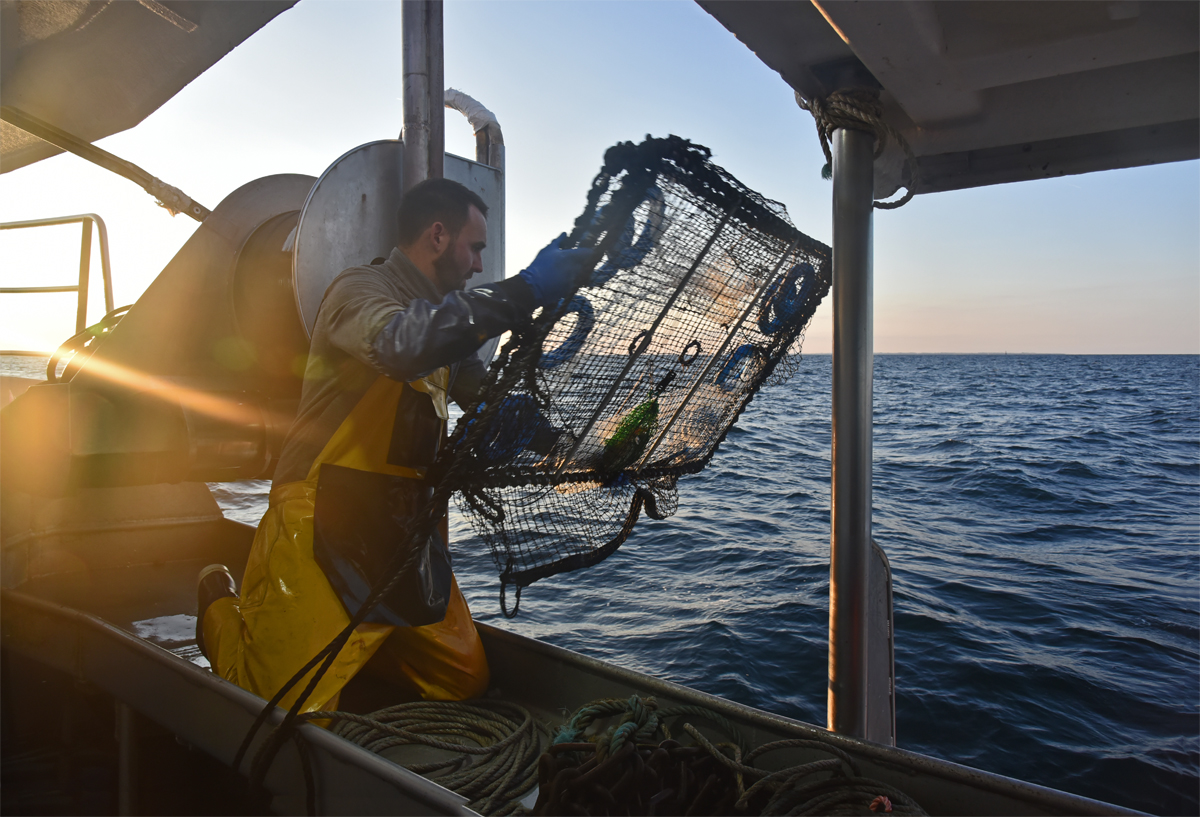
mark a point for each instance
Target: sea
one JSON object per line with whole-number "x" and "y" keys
{"x": 1041, "y": 514}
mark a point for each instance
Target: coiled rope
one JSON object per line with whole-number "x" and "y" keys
{"x": 495, "y": 746}
{"x": 859, "y": 109}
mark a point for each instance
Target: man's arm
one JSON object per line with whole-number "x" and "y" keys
{"x": 362, "y": 317}
{"x": 405, "y": 342}
{"x": 425, "y": 336}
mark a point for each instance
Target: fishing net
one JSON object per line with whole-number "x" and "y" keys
{"x": 700, "y": 294}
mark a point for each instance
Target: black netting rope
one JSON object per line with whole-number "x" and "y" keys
{"x": 624, "y": 768}
{"x": 674, "y": 187}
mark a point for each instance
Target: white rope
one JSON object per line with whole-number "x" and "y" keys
{"x": 860, "y": 109}
{"x": 479, "y": 116}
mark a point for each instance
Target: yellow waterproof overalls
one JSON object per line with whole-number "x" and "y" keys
{"x": 288, "y": 611}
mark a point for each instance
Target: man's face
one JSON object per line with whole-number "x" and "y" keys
{"x": 463, "y": 254}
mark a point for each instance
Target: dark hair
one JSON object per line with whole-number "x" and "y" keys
{"x": 435, "y": 200}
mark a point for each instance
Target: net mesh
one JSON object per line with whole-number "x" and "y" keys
{"x": 590, "y": 414}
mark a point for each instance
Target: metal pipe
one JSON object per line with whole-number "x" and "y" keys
{"x": 416, "y": 92}
{"x": 37, "y": 290}
{"x": 424, "y": 139}
{"x": 489, "y": 139}
{"x": 853, "y": 369}
{"x": 172, "y": 198}
{"x": 435, "y": 54}
{"x": 85, "y": 268}
{"x": 105, "y": 263}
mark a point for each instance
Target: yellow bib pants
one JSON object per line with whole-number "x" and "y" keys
{"x": 288, "y": 611}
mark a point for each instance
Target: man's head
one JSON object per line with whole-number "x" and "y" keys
{"x": 443, "y": 230}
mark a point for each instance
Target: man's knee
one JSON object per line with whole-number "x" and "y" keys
{"x": 469, "y": 678}
{"x": 223, "y": 635}
{"x": 420, "y": 665}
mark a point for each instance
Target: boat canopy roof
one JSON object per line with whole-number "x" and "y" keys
{"x": 994, "y": 91}
{"x": 986, "y": 92}
{"x": 94, "y": 68}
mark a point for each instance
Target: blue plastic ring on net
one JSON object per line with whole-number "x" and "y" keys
{"x": 734, "y": 366}
{"x": 627, "y": 253}
{"x": 786, "y": 298}
{"x": 574, "y": 342}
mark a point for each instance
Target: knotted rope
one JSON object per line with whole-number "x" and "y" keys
{"x": 625, "y": 769}
{"x": 858, "y": 109}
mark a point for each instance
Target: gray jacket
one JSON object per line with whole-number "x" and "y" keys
{"x": 388, "y": 319}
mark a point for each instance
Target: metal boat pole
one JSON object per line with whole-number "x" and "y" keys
{"x": 127, "y": 759}
{"x": 853, "y": 368}
{"x": 435, "y": 54}
{"x": 424, "y": 115}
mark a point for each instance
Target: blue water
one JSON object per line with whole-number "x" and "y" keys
{"x": 1042, "y": 518}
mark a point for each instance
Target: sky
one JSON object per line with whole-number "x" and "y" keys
{"x": 1099, "y": 263}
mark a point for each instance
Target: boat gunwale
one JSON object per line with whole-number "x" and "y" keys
{"x": 70, "y": 657}
{"x": 898, "y": 760}
{"x": 901, "y": 760}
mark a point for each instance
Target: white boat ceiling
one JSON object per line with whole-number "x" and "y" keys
{"x": 994, "y": 92}
{"x": 986, "y": 92}
{"x": 94, "y": 67}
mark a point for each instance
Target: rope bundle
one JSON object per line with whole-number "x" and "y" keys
{"x": 621, "y": 770}
{"x": 495, "y": 746}
{"x": 859, "y": 109}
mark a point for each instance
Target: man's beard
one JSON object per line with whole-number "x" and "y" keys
{"x": 448, "y": 277}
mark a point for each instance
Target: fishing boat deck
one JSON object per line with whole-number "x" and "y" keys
{"x": 126, "y": 622}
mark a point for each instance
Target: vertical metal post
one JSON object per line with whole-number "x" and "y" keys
{"x": 424, "y": 115}
{"x": 85, "y": 268}
{"x": 853, "y": 369}
{"x": 126, "y": 759}
{"x": 435, "y": 53}
{"x": 105, "y": 264}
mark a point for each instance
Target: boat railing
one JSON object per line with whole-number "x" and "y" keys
{"x": 85, "y": 263}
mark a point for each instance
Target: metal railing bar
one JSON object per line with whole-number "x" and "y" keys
{"x": 49, "y": 222}
{"x": 85, "y": 255}
{"x": 85, "y": 268}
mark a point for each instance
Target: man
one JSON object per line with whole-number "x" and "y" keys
{"x": 392, "y": 342}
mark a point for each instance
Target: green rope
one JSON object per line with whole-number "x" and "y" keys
{"x": 586, "y": 715}
{"x": 599, "y": 781}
